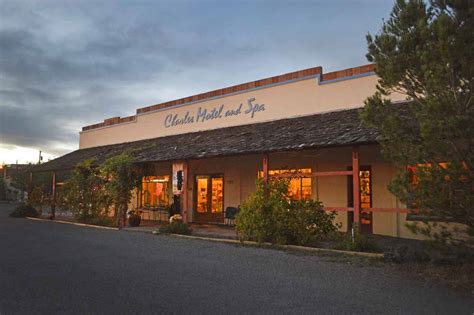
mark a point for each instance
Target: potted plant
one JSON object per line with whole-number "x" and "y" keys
{"x": 134, "y": 217}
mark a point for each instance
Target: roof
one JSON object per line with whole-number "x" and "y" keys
{"x": 336, "y": 128}
{"x": 288, "y": 77}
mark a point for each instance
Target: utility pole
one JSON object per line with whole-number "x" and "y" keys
{"x": 40, "y": 158}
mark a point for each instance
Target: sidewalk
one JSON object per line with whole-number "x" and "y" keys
{"x": 202, "y": 230}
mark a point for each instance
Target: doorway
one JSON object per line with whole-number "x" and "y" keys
{"x": 365, "y": 200}
{"x": 209, "y": 198}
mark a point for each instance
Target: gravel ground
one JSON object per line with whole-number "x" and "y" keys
{"x": 50, "y": 268}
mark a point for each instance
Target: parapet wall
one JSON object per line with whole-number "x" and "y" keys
{"x": 293, "y": 94}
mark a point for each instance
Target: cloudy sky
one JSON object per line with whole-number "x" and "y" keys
{"x": 66, "y": 64}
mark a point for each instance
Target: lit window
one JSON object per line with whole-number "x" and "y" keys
{"x": 299, "y": 187}
{"x": 155, "y": 191}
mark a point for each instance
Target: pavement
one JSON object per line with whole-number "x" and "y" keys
{"x": 50, "y": 268}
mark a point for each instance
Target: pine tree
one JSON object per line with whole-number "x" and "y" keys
{"x": 426, "y": 52}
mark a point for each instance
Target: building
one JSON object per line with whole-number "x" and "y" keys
{"x": 221, "y": 141}
{"x": 14, "y": 177}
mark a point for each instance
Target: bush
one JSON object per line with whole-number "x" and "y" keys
{"x": 24, "y": 210}
{"x": 83, "y": 193}
{"x": 176, "y": 227}
{"x": 270, "y": 216}
{"x": 99, "y": 220}
{"x": 361, "y": 243}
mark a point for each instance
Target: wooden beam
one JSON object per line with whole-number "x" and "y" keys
{"x": 337, "y": 209}
{"x": 53, "y": 198}
{"x": 265, "y": 162}
{"x": 388, "y": 210}
{"x": 185, "y": 191}
{"x": 313, "y": 174}
{"x": 397, "y": 210}
{"x": 355, "y": 183}
{"x": 265, "y": 168}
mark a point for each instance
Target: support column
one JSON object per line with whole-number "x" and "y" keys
{"x": 30, "y": 184}
{"x": 265, "y": 168}
{"x": 265, "y": 173}
{"x": 53, "y": 198}
{"x": 355, "y": 183}
{"x": 185, "y": 191}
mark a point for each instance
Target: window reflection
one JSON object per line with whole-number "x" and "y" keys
{"x": 155, "y": 191}
{"x": 299, "y": 188}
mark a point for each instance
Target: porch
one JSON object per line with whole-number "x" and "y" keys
{"x": 336, "y": 160}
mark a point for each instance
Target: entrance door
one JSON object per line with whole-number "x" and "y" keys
{"x": 365, "y": 199}
{"x": 209, "y": 199}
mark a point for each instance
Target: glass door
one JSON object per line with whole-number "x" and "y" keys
{"x": 365, "y": 199}
{"x": 209, "y": 198}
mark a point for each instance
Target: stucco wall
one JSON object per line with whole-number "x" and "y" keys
{"x": 290, "y": 99}
{"x": 240, "y": 174}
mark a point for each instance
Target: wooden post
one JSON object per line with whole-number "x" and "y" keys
{"x": 30, "y": 184}
{"x": 355, "y": 183}
{"x": 265, "y": 173}
{"x": 53, "y": 198}
{"x": 185, "y": 191}
{"x": 265, "y": 168}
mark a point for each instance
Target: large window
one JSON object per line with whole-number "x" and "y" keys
{"x": 300, "y": 188}
{"x": 155, "y": 191}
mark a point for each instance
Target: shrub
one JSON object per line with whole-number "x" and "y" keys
{"x": 98, "y": 220}
{"x": 176, "y": 227}
{"x": 84, "y": 195}
{"x": 361, "y": 243}
{"x": 24, "y": 210}
{"x": 270, "y": 216}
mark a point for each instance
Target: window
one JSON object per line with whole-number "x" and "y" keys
{"x": 300, "y": 188}
{"x": 155, "y": 191}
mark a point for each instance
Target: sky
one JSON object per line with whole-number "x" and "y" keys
{"x": 67, "y": 64}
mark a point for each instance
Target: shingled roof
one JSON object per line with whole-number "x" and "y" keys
{"x": 336, "y": 128}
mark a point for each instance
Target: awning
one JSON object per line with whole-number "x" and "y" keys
{"x": 338, "y": 128}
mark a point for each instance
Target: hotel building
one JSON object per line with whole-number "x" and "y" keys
{"x": 221, "y": 141}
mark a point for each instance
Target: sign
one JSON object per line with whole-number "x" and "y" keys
{"x": 219, "y": 112}
{"x": 178, "y": 178}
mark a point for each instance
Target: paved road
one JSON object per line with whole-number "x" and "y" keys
{"x": 54, "y": 268}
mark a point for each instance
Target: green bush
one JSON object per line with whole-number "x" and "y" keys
{"x": 361, "y": 243}
{"x": 270, "y": 216}
{"x": 24, "y": 210}
{"x": 98, "y": 220}
{"x": 176, "y": 227}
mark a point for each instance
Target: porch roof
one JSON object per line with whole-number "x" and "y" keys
{"x": 336, "y": 128}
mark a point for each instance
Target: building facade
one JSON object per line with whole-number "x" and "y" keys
{"x": 209, "y": 149}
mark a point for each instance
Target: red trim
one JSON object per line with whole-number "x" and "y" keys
{"x": 346, "y": 209}
{"x": 338, "y": 209}
{"x": 355, "y": 183}
{"x": 313, "y": 174}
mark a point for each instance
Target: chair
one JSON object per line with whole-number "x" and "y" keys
{"x": 229, "y": 216}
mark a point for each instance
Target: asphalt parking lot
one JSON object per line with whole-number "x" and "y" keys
{"x": 51, "y": 268}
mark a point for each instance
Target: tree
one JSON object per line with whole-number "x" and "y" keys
{"x": 121, "y": 179}
{"x": 426, "y": 52}
{"x": 84, "y": 194}
{"x": 3, "y": 189}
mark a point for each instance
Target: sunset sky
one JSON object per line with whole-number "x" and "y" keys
{"x": 66, "y": 64}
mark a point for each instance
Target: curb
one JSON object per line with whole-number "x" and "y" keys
{"x": 74, "y": 223}
{"x": 287, "y": 247}
{"x": 228, "y": 241}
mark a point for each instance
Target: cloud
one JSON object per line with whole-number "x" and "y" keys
{"x": 67, "y": 64}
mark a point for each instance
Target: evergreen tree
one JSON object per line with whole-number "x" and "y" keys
{"x": 426, "y": 52}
